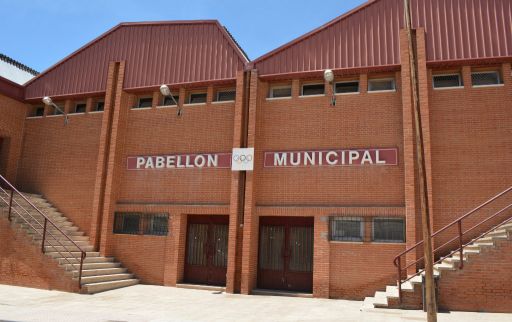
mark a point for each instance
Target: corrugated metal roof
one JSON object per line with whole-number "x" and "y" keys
{"x": 368, "y": 36}
{"x": 156, "y": 53}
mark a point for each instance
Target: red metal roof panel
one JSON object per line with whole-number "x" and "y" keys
{"x": 155, "y": 53}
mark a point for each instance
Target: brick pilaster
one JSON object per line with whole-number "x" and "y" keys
{"x": 321, "y": 260}
{"x": 237, "y": 183}
{"x": 251, "y": 221}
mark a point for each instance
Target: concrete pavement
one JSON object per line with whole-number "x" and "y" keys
{"x": 157, "y": 303}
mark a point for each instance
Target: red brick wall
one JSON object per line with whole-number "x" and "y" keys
{"x": 23, "y": 264}
{"x": 471, "y": 138}
{"x": 483, "y": 284}
{"x": 201, "y": 128}
{"x": 59, "y": 162}
{"x": 11, "y": 135}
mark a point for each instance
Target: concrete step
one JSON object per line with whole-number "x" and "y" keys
{"x": 97, "y": 259}
{"x": 61, "y": 237}
{"x": 68, "y": 248}
{"x": 444, "y": 267}
{"x": 71, "y": 254}
{"x": 64, "y": 223}
{"x": 99, "y": 271}
{"x": 380, "y": 300}
{"x": 106, "y": 286}
{"x": 105, "y": 278}
{"x": 92, "y": 266}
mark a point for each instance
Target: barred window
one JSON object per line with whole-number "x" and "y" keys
{"x": 347, "y": 87}
{"x": 448, "y": 80}
{"x": 280, "y": 91}
{"x": 100, "y": 106}
{"x": 38, "y": 111}
{"x": 313, "y": 89}
{"x": 226, "y": 95}
{"x": 135, "y": 223}
{"x": 485, "y": 78}
{"x": 79, "y": 108}
{"x": 144, "y": 102}
{"x": 347, "y": 229}
{"x": 384, "y": 84}
{"x": 169, "y": 101}
{"x": 195, "y": 98}
{"x": 391, "y": 230}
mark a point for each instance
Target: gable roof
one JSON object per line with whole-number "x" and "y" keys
{"x": 368, "y": 36}
{"x": 160, "y": 52}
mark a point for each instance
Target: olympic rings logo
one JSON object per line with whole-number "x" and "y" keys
{"x": 242, "y": 158}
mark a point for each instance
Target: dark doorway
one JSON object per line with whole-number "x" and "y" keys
{"x": 206, "y": 255}
{"x": 285, "y": 260}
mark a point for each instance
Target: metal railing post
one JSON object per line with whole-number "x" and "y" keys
{"x": 461, "y": 262}
{"x": 80, "y": 272}
{"x": 10, "y": 205}
{"x": 399, "y": 279}
{"x": 44, "y": 235}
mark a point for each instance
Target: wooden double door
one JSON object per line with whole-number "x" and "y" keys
{"x": 285, "y": 259}
{"x": 206, "y": 255}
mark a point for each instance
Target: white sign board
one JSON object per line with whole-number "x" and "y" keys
{"x": 242, "y": 159}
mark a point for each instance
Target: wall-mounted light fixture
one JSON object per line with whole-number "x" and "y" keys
{"x": 166, "y": 92}
{"x": 329, "y": 78}
{"x": 48, "y": 102}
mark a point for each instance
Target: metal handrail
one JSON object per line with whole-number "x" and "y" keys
{"x": 46, "y": 232}
{"x": 397, "y": 261}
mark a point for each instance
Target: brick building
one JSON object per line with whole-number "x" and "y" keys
{"x": 333, "y": 196}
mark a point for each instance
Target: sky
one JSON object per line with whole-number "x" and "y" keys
{"x": 39, "y": 33}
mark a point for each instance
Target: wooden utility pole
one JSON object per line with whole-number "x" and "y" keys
{"x": 430, "y": 294}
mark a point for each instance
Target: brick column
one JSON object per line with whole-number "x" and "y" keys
{"x": 114, "y": 161}
{"x": 411, "y": 209}
{"x": 295, "y": 88}
{"x": 237, "y": 184}
{"x": 103, "y": 150}
{"x": 321, "y": 257}
{"x": 251, "y": 221}
{"x": 174, "y": 264}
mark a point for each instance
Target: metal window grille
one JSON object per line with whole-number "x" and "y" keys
{"x": 100, "y": 106}
{"x": 313, "y": 89}
{"x": 156, "y": 224}
{"x": 390, "y": 230}
{"x": 168, "y": 100}
{"x": 145, "y": 102}
{"x": 197, "y": 98}
{"x": 347, "y": 229}
{"x": 227, "y": 95}
{"x": 387, "y": 84}
{"x": 451, "y": 80}
{"x": 281, "y": 91}
{"x": 485, "y": 78}
{"x": 347, "y": 87}
{"x": 135, "y": 223}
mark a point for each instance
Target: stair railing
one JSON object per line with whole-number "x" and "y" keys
{"x": 48, "y": 238}
{"x": 458, "y": 242}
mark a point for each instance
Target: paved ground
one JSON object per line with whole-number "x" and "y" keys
{"x": 155, "y": 303}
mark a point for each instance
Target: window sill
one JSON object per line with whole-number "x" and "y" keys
{"x": 95, "y": 112}
{"x": 346, "y": 242}
{"x": 33, "y": 117}
{"x": 59, "y": 115}
{"x": 166, "y": 106}
{"x": 81, "y": 113}
{"x": 140, "y": 108}
{"x": 223, "y": 102}
{"x": 315, "y": 95}
{"x": 351, "y": 93}
{"x": 486, "y": 86}
{"x": 278, "y": 98}
{"x": 383, "y": 91}
{"x": 447, "y": 88}
{"x": 194, "y": 104}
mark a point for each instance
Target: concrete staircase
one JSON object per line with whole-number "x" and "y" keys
{"x": 99, "y": 273}
{"x": 412, "y": 289}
